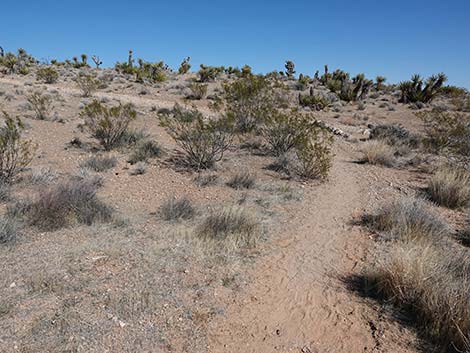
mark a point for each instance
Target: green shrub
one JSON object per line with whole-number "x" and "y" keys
{"x": 198, "y": 91}
{"x": 15, "y": 152}
{"x": 313, "y": 101}
{"x": 88, "y": 84}
{"x": 47, "y": 74}
{"x": 204, "y": 141}
{"x": 418, "y": 91}
{"x": 209, "y": 73}
{"x": 108, "y": 124}
{"x": 447, "y": 131}
{"x": 41, "y": 104}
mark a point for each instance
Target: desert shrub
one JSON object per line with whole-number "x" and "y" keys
{"x": 203, "y": 180}
{"x": 42, "y": 175}
{"x": 432, "y": 284}
{"x": 139, "y": 169}
{"x": 204, "y": 141}
{"x": 447, "y": 131}
{"x": 313, "y": 101}
{"x": 461, "y": 103}
{"x": 15, "y": 152}
{"x": 108, "y": 124}
{"x": 132, "y": 137}
{"x": 378, "y": 152}
{"x": 63, "y": 204}
{"x": 177, "y": 209}
{"x": 249, "y": 101}
{"x": 47, "y": 74}
{"x": 145, "y": 151}
{"x": 4, "y": 190}
{"x": 185, "y": 66}
{"x": 99, "y": 164}
{"x": 464, "y": 235}
{"x": 88, "y": 84}
{"x": 198, "y": 91}
{"x": 356, "y": 89}
{"x": 209, "y": 73}
{"x": 41, "y": 104}
{"x": 380, "y": 83}
{"x": 229, "y": 227}
{"x": 394, "y": 135}
{"x": 9, "y": 61}
{"x": 313, "y": 153}
{"x": 8, "y": 230}
{"x": 450, "y": 187}
{"x": 416, "y": 90}
{"x": 153, "y": 72}
{"x": 242, "y": 180}
{"x": 409, "y": 219}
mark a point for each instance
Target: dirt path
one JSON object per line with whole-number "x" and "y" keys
{"x": 298, "y": 302}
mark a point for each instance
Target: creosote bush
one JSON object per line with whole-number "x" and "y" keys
{"x": 209, "y": 73}
{"x": 15, "y": 152}
{"x": 108, "y": 124}
{"x": 229, "y": 228}
{"x": 63, "y": 204}
{"x": 204, "y": 141}
{"x": 450, "y": 187}
{"x": 177, "y": 209}
{"x": 88, "y": 84}
{"x": 145, "y": 151}
{"x": 41, "y": 104}
{"x": 198, "y": 91}
{"x": 47, "y": 74}
{"x": 99, "y": 164}
{"x": 378, "y": 152}
{"x": 446, "y": 131}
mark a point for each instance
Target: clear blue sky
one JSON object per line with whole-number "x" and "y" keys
{"x": 394, "y": 38}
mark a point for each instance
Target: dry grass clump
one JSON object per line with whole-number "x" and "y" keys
{"x": 450, "y": 187}
{"x": 464, "y": 235}
{"x": 229, "y": 227}
{"x": 99, "y": 164}
{"x": 63, "y": 204}
{"x": 177, "y": 209}
{"x": 409, "y": 219}
{"x": 8, "y": 230}
{"x": 432, "y": 283}
{"x": 378, "y": 152}
{"x": 242, "y": 180}
{"x": 203, "y": 180}
{"x": 145, "y": 151}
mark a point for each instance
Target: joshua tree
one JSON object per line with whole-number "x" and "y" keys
{"x": 84, "y": 59}
{"x": 130, "y": 59}
{"x": 96, "y": 60}
{"x": 290, "y": 68}
{"x": 380, "y": 80}
{"x": 2, "y": 53}
{"x": 417, "y": 91}
{"x": 185, "y": 66}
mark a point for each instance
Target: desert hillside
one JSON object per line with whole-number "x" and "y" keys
{"x": 211, "y": 209}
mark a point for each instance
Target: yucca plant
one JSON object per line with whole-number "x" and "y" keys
{"x": 290, "y": 68}
{"x": 416, "y": 90}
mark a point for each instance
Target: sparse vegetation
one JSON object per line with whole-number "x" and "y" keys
{"x": 47, "y": 74}
{"x": 63, "y": 204}
{"x": 230, "y": 228}
{"x": 242, "y": 180}
{"x": 203, "y": 141}
{"x": 15, "y": 152}
{"x": 8, "y": 230}
{"x": 108, "y": 124}
{"x": 41, "y": 104}
{"x": 177, "y": 209}
{"x": 378, "y": 152}
{"x": 145, "y": 151}
{"x": 450, "y": 187}
{"x": 198, "y": 91}
{"x": 88, "y": 84}
{"x": 99, "y": 164}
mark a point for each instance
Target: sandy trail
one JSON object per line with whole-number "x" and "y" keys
{"x": 298, "y": 302}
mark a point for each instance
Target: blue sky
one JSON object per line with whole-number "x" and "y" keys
{"x": 392, "y": 38}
